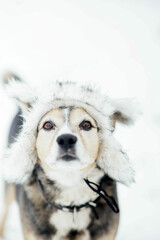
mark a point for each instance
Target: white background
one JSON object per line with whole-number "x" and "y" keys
{"x": 113, "y": 43}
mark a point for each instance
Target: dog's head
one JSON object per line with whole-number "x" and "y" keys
{"x": 68, "y": 129}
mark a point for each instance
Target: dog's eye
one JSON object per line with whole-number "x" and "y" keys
{"x": 48, "y": 125}
{"x": 85, "y": 125}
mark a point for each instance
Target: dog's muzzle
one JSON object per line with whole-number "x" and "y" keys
{"x": 67, "y": 143}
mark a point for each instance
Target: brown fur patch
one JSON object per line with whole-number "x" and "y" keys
{"x": 9, "y": 198}
{"x": 28, "y": 235}
{"x": 112, "y": 231}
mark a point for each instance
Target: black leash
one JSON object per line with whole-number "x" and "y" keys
{"x": 102, "y": 194}
{"x": 92, "y": 204}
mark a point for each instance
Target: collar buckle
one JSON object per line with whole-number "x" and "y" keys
{"x": 74, "y": 214}
{"x": 93, "y": 204}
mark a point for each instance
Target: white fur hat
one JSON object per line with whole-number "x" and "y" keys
{"x": 19, "y": 159}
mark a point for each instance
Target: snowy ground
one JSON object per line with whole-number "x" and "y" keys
{"x": 115, "y": 43}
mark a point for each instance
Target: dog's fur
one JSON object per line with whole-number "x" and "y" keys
{"x": 36, "y": 156}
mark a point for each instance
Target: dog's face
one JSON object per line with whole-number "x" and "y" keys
{"x": 67, "y": 140}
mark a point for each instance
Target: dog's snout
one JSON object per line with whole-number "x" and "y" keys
{"x": 67, "y": 141}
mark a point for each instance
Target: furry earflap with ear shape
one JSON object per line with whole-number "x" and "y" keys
{"x": 20, "y": 158}
{"x": 126, "y": 110}
{"x": 20, "y": 91}
{"x": 17, "y": 163}
{"x": 113, "y": 160}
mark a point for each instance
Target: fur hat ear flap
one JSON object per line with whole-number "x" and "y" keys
{"x": 115, "y": 162}
{"x": 17, "y": 163}
{"x": 125, "y": 111}
{"x": 23, "y": 94}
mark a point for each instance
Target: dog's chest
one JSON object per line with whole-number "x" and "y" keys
{"x": 64, "y": 222}
{"x": 76, "y": 195}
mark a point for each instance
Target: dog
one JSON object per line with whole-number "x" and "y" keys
{"x": 64, "y": 160}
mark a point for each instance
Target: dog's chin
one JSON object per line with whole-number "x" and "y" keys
{"x": 68, "y": 165}
{"x": 69, "y": 175}
{"x": 68, "y": 162}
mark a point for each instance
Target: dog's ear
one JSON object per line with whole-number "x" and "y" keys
{"x": 15, "y": 88}
{"x": 125, "y": 111}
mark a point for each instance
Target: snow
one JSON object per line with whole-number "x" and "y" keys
{"x": 115, "y": 43}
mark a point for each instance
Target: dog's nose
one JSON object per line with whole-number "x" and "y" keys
{"x": 66, "y": 141}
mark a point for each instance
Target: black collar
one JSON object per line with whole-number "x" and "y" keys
{"x": 90, "y": 204}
